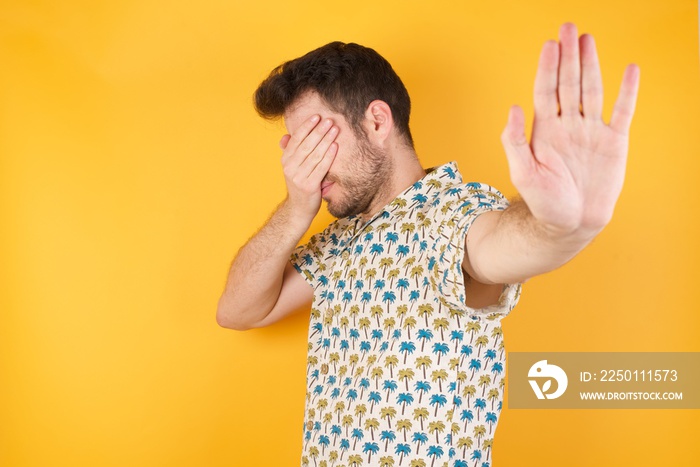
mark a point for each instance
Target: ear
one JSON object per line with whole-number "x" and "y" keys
{"x": 378, "y": 121}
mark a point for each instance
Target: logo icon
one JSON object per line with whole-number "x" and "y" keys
{"x": 542, "y": 370}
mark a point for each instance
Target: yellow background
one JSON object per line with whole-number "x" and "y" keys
{"x": 133, "y": 167}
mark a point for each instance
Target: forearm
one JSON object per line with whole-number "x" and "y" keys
{"x": 256, "y": 274}
{"x": 516, "y": 246}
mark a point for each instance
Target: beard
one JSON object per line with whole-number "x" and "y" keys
{"x": 366, "y": 180}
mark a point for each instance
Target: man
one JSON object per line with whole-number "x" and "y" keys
{"x": 408, "y": 286}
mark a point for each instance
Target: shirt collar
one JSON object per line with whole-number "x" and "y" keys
{"x": 426, "y": 189}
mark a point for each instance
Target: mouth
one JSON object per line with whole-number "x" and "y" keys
{"x": 325, "y": 187}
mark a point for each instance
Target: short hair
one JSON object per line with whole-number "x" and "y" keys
{"x": 347, "y": 76}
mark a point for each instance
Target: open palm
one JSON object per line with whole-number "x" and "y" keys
{"x": 571, "y": 173}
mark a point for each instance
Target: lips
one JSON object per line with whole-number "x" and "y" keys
{"x": 325, "y": 187}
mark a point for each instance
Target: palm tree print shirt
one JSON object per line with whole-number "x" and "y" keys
{"x": 400, "y": 371}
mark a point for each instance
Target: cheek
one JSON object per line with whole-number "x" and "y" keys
{"x": 341, "y": 167}
{"x": 346, "y": 142}
{"x": 339, "y": 162}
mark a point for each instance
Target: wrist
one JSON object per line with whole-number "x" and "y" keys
{"x": 566, "y": 234}
{"x": 296, "y": 220}
{"x": 571, "y": 236}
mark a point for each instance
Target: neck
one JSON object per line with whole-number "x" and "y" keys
{"x": 406, "y": 170}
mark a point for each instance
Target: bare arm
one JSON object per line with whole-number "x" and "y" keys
{"x": 570, "y": 175}
{"x": 263, "y": 287}
{"x": 511, "y": 246}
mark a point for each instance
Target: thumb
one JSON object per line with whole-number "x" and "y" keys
{"x": 284, "y": 141}
{"x": 518, "y": 152}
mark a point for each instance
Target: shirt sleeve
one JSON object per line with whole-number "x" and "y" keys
{"x": 308, "y": 259}
{"x": 456, "y": 217}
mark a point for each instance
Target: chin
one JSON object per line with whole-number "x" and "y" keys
{"x": 335, "y": 210}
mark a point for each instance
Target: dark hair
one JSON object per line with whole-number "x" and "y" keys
{"x": 346, "y": 76}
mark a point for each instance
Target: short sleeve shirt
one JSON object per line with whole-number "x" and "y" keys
{"x": 399, "y": 368}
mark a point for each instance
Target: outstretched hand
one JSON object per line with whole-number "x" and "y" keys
{"x": 571, "y": 172}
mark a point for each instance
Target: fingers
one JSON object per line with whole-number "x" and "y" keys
{"x": 303, "y": 131}
{"x": 318, "y": 154}
{"x": 546, "y": 104}
{"x": 518, "y": 152}
{"x": 308, "y": 154}
{"x": 321, "y": 169}
{"x": 591, "y": 81}
{"x": 313, "y": 139}
{"x": 626, "y": 101}
{"x": 569, "y": 72}
{"x": 305, "y": 139}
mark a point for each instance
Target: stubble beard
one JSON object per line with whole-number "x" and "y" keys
{"x": 366, "y": 182}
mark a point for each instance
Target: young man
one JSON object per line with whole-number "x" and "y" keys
{"x": 408, "y": 286}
